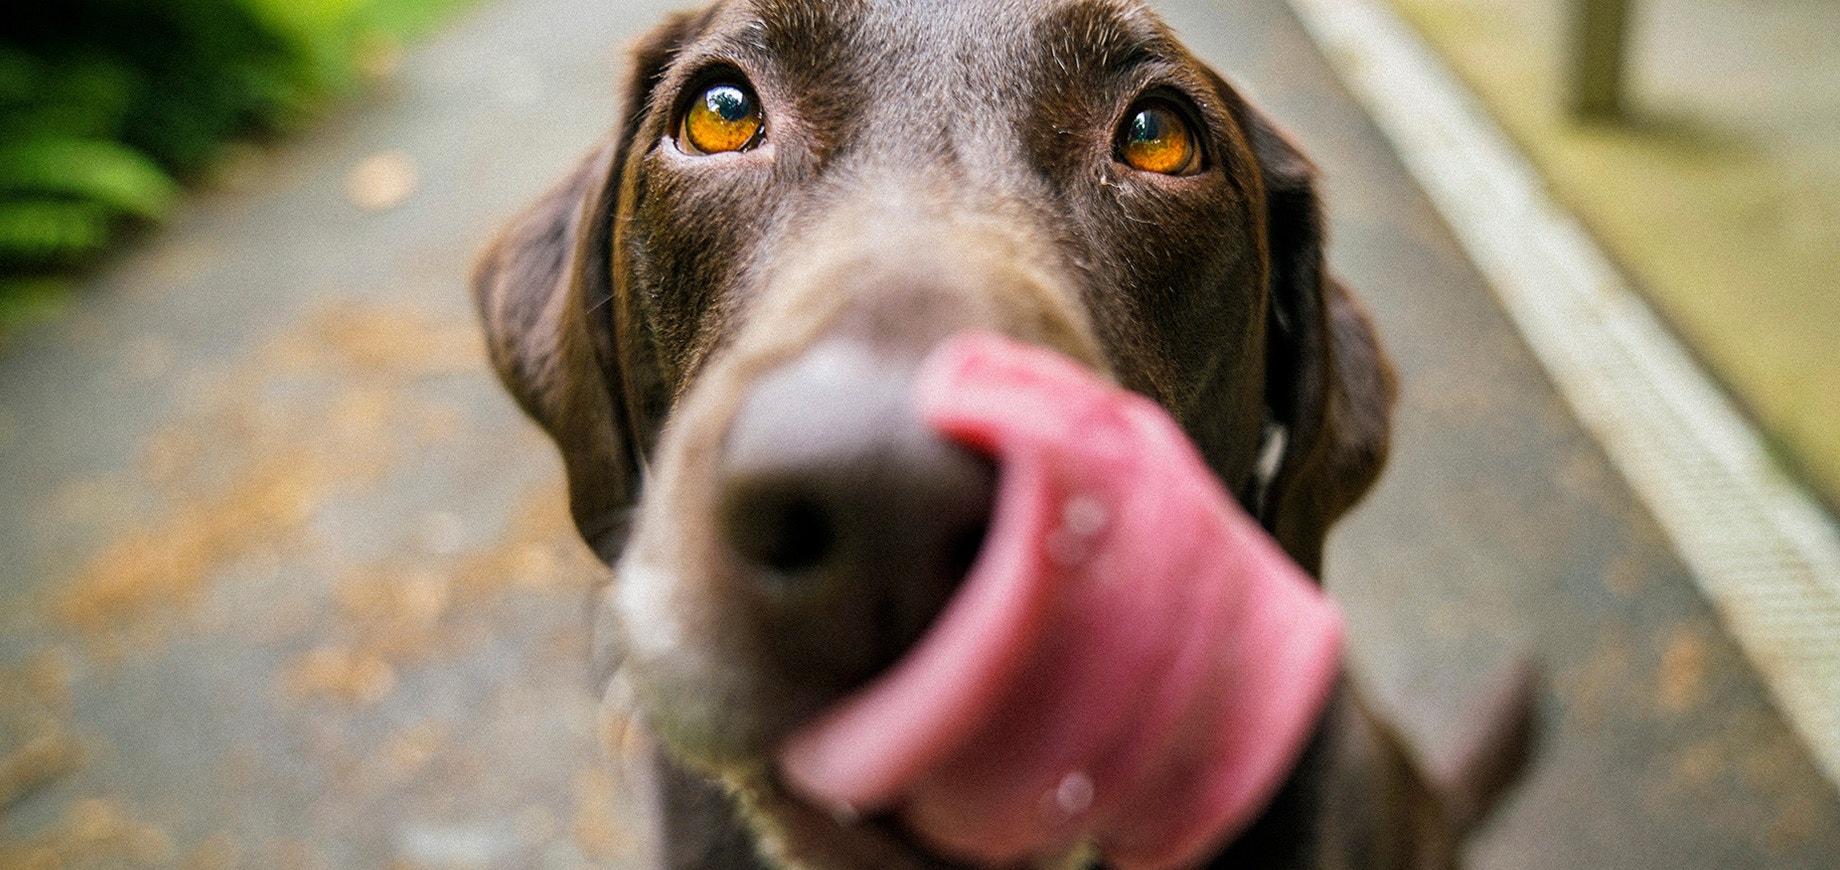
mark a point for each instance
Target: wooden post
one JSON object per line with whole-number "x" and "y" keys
{"x": 1598, "y": 28}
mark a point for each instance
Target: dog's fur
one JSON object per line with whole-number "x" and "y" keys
{"x": 931, "y": 166}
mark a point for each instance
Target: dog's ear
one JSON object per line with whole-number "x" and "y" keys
{"x": 1489, "y": 748}
{"x": 1391, "y": 805}
{"x": 543, "y": 289}
{"x": 1329, "y": 386}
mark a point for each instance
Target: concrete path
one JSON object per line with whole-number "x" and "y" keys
{"x": 288, "y": 581}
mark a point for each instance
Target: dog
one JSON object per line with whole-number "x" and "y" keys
{"x": 718, "y": 314}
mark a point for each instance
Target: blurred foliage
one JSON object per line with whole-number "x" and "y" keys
{"x": 105, "y": 105}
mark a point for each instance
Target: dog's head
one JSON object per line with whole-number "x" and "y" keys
{"x": 717, "y": 317}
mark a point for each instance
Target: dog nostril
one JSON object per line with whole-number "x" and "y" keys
{"x": 965, "y": 546}
{"x": 801, "y": 537}
{"x": 845, "y": 523}
{"x": 783, "y": 533}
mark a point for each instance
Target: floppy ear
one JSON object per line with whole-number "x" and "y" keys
{"x": 1329, "y": 385}
{"x": 1489, "y": 748}
{"x": 543, "y": 290}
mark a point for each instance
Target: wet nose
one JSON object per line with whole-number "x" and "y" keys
{"x": 847, "y": 517}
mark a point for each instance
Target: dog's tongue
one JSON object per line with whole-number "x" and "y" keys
{"x": 1131, "y": 661}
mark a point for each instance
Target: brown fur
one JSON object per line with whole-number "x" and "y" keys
{"x": 930, "y": 167}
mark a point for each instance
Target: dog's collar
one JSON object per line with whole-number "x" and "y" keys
{"x": 1273, "y": 440}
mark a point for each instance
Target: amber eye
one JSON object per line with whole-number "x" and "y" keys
{"x": 724, "y": 117}
{"x": 1155, "y": 138}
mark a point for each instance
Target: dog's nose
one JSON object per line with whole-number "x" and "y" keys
{"x": 849, "y": 520}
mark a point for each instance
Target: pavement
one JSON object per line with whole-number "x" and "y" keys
{"x": 1719, "y": 193}
{"x": 289, "y": 581}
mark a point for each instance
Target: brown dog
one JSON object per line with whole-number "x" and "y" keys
{"x": 718, "y": 314}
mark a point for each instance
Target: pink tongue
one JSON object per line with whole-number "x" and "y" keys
{"x": 1131, "y": 660}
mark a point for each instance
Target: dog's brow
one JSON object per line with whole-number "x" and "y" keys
{"x": 1103, "y": 35}
{"x": 786, "y": 26}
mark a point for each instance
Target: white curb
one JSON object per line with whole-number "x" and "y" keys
{"x": 1760, "y": 548}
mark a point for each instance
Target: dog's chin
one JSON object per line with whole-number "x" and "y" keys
{"x": 725, "y": 720}
{"x": 701, "y": 729}
{"x": 702, "y": 696}
{"x": 721, "y": 722}
{"x": 795, "y": 835}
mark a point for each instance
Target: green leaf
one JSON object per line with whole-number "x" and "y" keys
{"x": 26, "y": 300}
{"x": 308, "y": 18}
{"x": 107, "y": 172}
{"x": 20, "y": 75}
{"x": 49, "y": 231}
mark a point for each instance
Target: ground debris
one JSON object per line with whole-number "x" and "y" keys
{"x": 235, "y": 526}
{"x": 408, "y": 610}
{"x": 169, "y": 561}
{"x": 598, "y": 828}
{"x": 354, "y": 677}
{"x": 382, "y": 181}
{"x": 93, "y": 832}
{"x": 39, "y": 761}
{"x": 321, "y": 411}
{"x": 35, "y": 746}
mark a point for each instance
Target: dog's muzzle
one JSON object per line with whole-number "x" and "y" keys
{"x": 853, "y": 522}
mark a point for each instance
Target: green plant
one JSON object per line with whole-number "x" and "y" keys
{"x": 105, "y": 105}
{"x": 60, "y": 196}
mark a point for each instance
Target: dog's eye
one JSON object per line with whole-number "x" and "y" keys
{"x": 724, "y": 117}
{"x": 1156, "y": 138}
